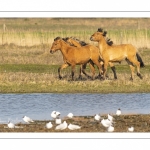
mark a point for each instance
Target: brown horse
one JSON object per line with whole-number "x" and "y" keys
{"x": 76, "y": 56}
{"x": 79, "y": 43}
{"x": 117, "y": 53}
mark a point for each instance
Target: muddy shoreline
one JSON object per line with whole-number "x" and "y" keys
{"x": 140, "y": 122}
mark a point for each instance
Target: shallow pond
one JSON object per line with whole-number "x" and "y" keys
{"x": 39, "y": 106}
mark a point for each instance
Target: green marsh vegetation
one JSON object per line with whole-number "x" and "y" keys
{"x": 27, "y": 66}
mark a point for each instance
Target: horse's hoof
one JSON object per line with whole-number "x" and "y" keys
{"x": 107, "y": 76}
{"x": 98, "y": 77}
{"x": 131, "y": 79}
{"x": 139, "y": 75}
{"x": 102, "y": 78}
{"x": 60, "y": 78}
{"x": 80, "y": 77}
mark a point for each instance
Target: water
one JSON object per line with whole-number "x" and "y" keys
{"x": 39, "y": 106}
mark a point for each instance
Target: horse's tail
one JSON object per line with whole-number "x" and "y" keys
{"x": 140, "y": 60}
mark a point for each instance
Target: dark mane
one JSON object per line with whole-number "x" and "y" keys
{"x": 65, "y": 39}
{"x": 101, "y": 30}
{"x": 104, "y": 33}
{"x": 109, "y": 42}
{"x": 81, "y": 42}
{"x": 57, "y": 38}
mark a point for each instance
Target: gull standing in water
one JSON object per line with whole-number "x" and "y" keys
{"x": 27, "y": 119}
{"x": 62, "y": 126}
{"x": 49, "y": 125}
{"x": 118, "y": 112}
{"x": 73, "y": 127}
{"x": 97, "y": 117}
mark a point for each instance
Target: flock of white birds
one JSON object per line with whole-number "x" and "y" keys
{"x": 107, "y": 123}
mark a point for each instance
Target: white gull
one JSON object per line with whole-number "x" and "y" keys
{"x": 97, "y": 117}
{"x": 62, "y": 126}
{"x": 118, "y": 112}
{"x": 27, "y": 119}
{"x": 70, "y": 115}
{"x": 73, "y": 127}
{"x": 49, "y": 125}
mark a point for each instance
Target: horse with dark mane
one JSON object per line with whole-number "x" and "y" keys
{"x": 76, "y": 56}
{"x": 79, "y": 43}
{"x": 117, "y": 53}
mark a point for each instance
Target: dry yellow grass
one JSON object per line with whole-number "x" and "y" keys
{"x": 44, "y": 82}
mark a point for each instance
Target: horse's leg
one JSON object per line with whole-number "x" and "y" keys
{"x": 102, "y": 68}
{"x": 83, "y": 70}
{"x": 105, "y": 69}
{"x": 96, "y": 62}
{"x": 113, "y": 68}
{"x": 137, "y": 63}
{"x": 132, "y": 68}
{"x": 60, "y": 68}
{"x": 92, "y": 68}
{"x": 80, "y": 71}
{"x": 72, "y": 71}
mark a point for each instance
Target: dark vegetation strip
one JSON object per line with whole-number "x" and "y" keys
{"x": 43, "y": 68}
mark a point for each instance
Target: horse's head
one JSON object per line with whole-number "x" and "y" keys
{"x": 98, "y": 35}
{"x": 56, "y": 45}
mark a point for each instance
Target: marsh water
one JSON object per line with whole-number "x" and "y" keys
{"x": 39, "y": 106}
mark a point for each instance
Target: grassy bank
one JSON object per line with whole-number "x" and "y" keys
{"x": 44, "y": 78}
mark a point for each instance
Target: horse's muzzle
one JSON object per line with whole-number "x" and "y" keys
{"x": 91, "y": 38}
{"x": 51, "y": 51}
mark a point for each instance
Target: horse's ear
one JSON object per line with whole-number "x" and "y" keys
{"x": 105, "y": 32}
{"x": 100, "y": 30}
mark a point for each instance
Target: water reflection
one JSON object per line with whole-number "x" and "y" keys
{"x": 39, "y": 106}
